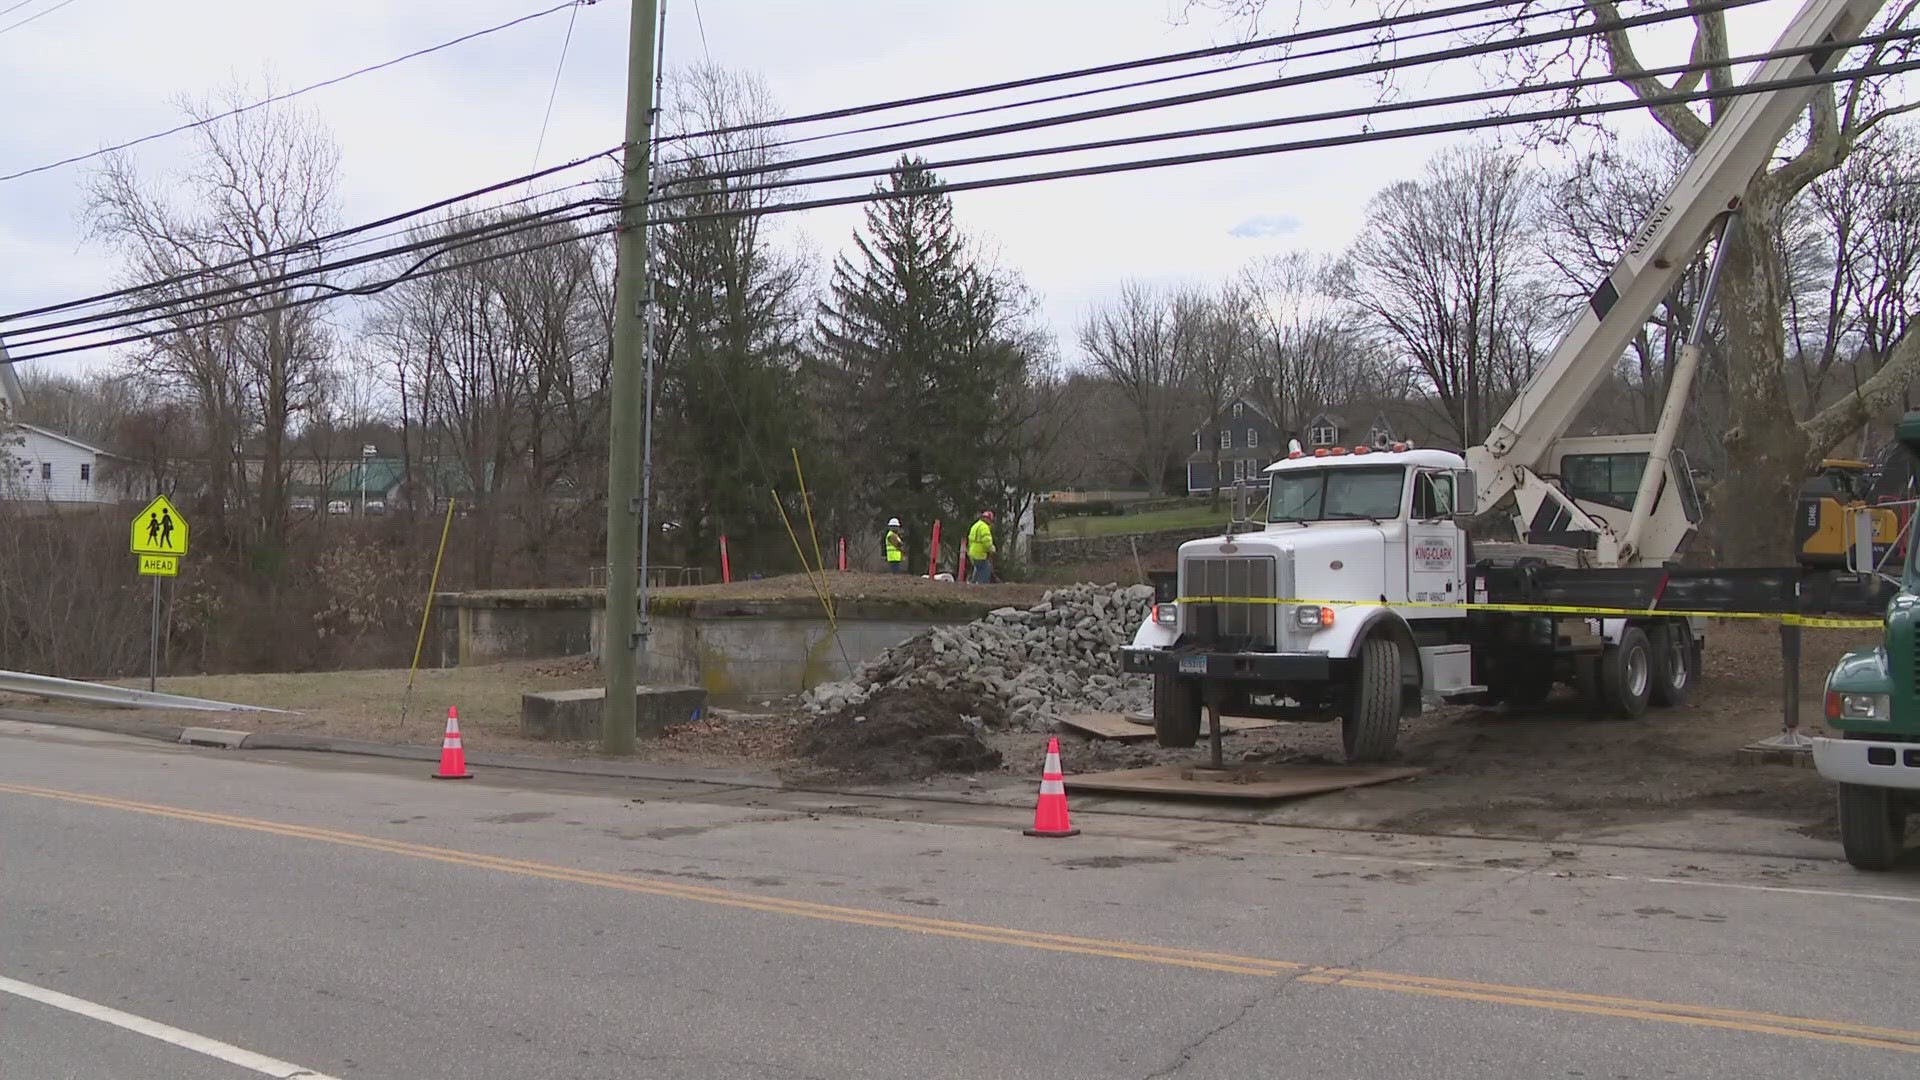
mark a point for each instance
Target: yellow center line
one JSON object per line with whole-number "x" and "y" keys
{"x": 1762, "y": 1023}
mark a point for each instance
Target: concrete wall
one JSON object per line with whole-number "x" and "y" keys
{"x": 736, "y": 650}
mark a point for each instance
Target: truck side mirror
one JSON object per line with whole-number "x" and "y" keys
{"x": 1466, "y": 493}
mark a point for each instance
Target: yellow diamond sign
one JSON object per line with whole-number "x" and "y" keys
{"x": 159, "y": 530}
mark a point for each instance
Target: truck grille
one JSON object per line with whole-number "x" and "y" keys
{"x": 1246, "y": 626}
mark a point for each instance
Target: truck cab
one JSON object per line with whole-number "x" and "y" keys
{"x": 1873, "y": 709}
{"x": 1338, "y": 601}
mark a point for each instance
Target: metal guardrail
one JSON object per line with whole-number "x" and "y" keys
{"x": 46, "y": 686}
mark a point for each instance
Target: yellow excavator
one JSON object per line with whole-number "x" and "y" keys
{"x": 1824, "y": 529}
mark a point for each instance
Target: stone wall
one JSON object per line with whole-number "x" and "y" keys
{"x": 1069, "y": 551}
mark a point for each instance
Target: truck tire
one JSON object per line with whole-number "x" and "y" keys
{"x": 1626, "y": 674}
{"x": 1675, "y": 665}
{"x": 1372, "y": 723}
{"x": 1176, "y": 711}
{"x": 1873, "y": 826}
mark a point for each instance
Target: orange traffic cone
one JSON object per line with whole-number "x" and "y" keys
{"x": 453, "y": 760}
{"x": 1050, "y": 815}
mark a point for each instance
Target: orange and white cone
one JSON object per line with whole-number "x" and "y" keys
{"x": 1050, "y": 815}
{"x": 453, "y": 760}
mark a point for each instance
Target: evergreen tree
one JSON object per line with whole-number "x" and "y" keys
{"x": 924, "y": 362}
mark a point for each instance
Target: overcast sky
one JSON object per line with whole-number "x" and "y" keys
{"x": 99, "y": 71}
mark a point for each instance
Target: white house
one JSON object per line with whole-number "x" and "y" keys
{"x": 47, "y": 467}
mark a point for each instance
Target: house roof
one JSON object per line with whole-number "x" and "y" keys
{"x": 68, "y": 439}
{"x": 1228, "y": 408}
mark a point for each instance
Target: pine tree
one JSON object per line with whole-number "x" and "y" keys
{"x": 921, "y": 361}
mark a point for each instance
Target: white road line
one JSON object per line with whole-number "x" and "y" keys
{"x": 1839, "y": 893}
{"x": 153, "y": 1029}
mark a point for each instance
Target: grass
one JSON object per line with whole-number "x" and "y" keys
{"x": 1184, "y": 517}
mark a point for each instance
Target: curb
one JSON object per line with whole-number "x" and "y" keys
{"x": 142, "y": 729}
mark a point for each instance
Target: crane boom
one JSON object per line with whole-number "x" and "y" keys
{"x": 1738, "y": 146}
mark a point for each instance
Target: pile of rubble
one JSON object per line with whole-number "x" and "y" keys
{"x": 1024, "y": 666}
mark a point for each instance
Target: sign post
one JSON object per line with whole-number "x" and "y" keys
{"x": 158, "y": 540}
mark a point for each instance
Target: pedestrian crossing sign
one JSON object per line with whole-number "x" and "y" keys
{"x": 159, "y": 530}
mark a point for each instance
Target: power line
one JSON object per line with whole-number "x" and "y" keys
{"x": 1398, "y": 39}
{"x": 1371, "y": 68}
{"x": 1507, "y": 120}
{"x": 554, "y": 91}
{"x": 11, "y": 8}
{"x": 417, "y": 271}
{"x": 288, "y": 278}
{"x": 275, "y": 99}
{"x": 33, "y": 18}
{"x": 1370, "y": 110}
{"x": 242, "y": 292}
{"x": 305, "y": 245}
{"x": 1383, "y": 23}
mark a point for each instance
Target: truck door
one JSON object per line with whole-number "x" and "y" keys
{"x": 1435, "y": 555}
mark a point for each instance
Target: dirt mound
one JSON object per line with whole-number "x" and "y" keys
{"x": 904, "y": 732}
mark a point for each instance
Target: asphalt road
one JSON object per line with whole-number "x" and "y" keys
{"x": 195, "y": 913}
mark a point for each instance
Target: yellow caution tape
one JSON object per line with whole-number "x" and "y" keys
{"x": 1783, "y": 617}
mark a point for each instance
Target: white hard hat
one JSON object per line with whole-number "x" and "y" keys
{"x": 893, "y": 523}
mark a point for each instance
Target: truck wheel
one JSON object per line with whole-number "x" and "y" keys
{"x": 1372, "y": 723}
{"x": 1673, "y": 665}
{"x": 1873, "y": 826}
{"x": 1626, "y": 674}
{"x": 1176, "y": 711}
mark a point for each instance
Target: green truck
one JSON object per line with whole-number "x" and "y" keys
{"x": 1873, "y": 709}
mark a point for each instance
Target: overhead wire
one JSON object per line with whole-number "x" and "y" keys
{"x": 255, "y": 288}
{"x": 553, "y": 92}
{"x": 1159, "y": 80}
{"x": 1385, "y": 22}
{"x": 1283, "y": 82}
{"x": 1368, "y": 110}
{"x": 313, "y": 243}
{"x": 1482, "y": 123}
{"x": 277, "y": 98}
{"x": 35, "y": 17}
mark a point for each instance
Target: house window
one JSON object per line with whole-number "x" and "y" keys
{"x": 46, "y": 470}
{"x": 1237, "y": 409}
{"x": 1322, "y": 436}
{"x": 86, "y": 471}
{"x": 1226, "y": 438}
{"x": 1253, "y": 439}
{"x": 1199, "y": 441}
{"x": 1239, "y": 470}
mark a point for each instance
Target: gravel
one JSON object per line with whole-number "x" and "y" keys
{"x": 1025, "y": 665}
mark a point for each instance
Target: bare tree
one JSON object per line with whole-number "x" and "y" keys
{"x": 1221, "y": 333}
{"x": 1134, "y": 343}
{"x": 1868, "y": 214}
{"x": 1312, "y": 351}
{"x": 1440, "y": 267}
{"x": 262, "y": 185}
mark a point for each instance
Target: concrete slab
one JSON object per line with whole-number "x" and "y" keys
{"x": 575, "y": 715}
{"x": 213, "y": 736}
{"x": 1244, "y": 782}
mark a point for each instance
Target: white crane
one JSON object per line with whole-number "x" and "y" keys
{"x": 1527, "y": 445}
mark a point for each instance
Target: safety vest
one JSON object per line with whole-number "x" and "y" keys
{"x": 896, "y": 549}
{"x": 980, "y": 541}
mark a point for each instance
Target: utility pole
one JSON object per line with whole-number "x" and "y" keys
{"x": 620, "y": 642}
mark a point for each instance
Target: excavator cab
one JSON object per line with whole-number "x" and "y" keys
{"x": 1824, "y": 526}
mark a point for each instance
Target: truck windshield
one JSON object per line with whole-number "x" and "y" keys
{"x": 1347, "y": 494}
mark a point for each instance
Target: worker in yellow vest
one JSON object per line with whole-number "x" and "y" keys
{"x": 980, "y": 549}
{"x": 896, "y": 548}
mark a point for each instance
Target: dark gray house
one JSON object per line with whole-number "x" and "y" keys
{"x": 1246, "y": 440}
{"x": 1331, "y": 429}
